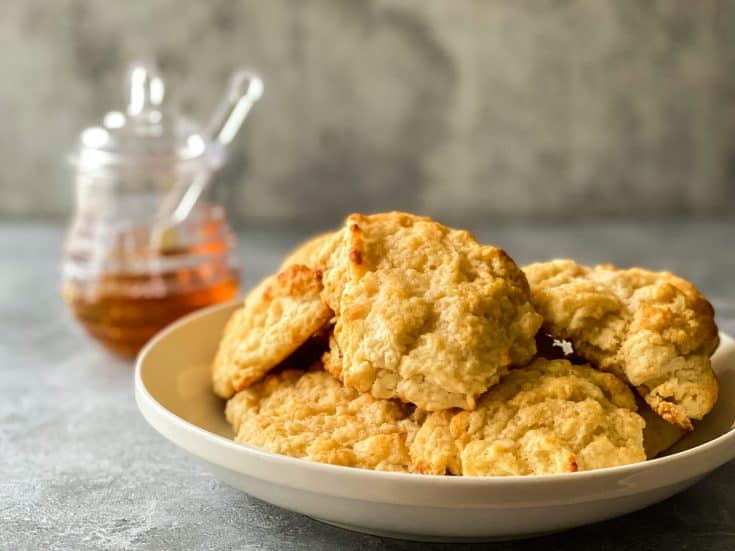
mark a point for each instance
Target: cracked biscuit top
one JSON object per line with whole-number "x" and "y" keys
{"x": 311, "y": 415}
{"x": 549, "y": 417}
{"x": 313, "y": 252}
{"x": 277, "y": 317}
{"x": 653, "y": 328}
{"x": 424, "y": 313}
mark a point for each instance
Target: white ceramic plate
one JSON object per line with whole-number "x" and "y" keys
{"x": 173, "y": 391}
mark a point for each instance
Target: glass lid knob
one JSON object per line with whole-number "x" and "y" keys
{"x": 146, "y": 89}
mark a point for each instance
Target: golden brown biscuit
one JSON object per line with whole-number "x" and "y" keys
{"x": 425, "y": 313}
{"x": 332, "y": 359}
{"x": 311, "y": 415}
{"x": 655, "y": 329}
{"x": 278, "y": 316}
{"x": 314, "y": 252}
{"x": 659, "y": 435}
{"x": 549, "y": 417}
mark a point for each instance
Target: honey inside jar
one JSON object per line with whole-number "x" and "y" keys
{"x": 139, "y": 290}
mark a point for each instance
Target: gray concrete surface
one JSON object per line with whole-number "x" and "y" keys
{"x": 465, "y": 109}
{"x": 80, "y": 468}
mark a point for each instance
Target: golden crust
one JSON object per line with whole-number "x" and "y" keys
{"x": 656, "y": 329}
{"x": 314, "y": 252}
{"x": 332, "y": 359}
{"x": 277, "y": 317}
{"x": 425, "y": 313}
{"x": 549, "y": 417}
{"x": 311, "y": 415}
{"x": 659, "y": 435}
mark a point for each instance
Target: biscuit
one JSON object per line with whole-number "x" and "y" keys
{"x": 277, "y": 317}
{"x": 659, "y": 435}
{"x": 332, "y": 359}
{"x": 314, "y": 252}
{"x": 310, "y": 415}
{"x": 549, "y": 417}
{"x": 425, "y": 313}
{"x": 655, "y": 329}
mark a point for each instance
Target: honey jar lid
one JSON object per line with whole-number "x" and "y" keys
{"x": 150, "y": 133}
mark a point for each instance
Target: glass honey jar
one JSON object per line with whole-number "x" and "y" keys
{"x": 132, "y": 262}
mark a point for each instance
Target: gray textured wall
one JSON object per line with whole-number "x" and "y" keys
{"x": 463, "y": 109}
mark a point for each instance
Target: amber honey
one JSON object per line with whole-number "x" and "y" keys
{"x": 139, "y": 291}
{"x": 123, "y": 321}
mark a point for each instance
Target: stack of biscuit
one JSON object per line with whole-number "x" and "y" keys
{"x": 399, "y": 344}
